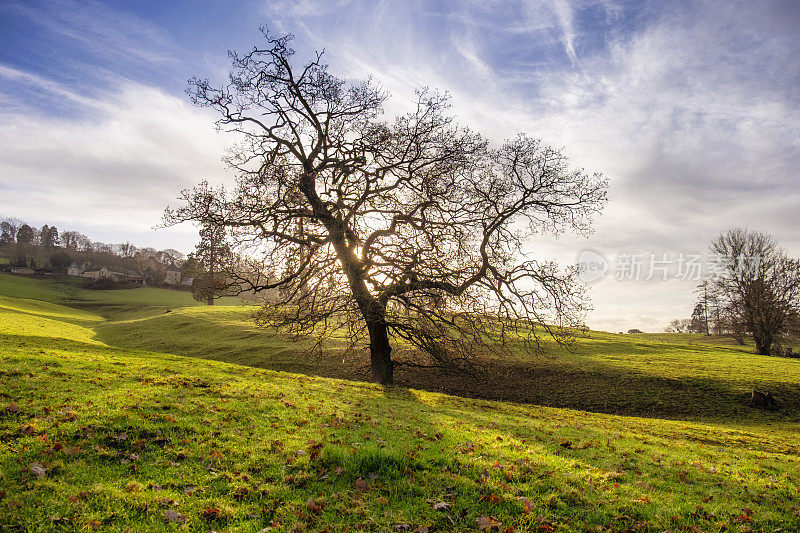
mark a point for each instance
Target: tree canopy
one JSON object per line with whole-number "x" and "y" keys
{"x": 758, "y": 284}
{"x": 412, "y": 229}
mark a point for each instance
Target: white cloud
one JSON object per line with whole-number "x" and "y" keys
{"x": 690, "y": 115}
{"x": 693, "y": 112}
{"x": 99, "y": 30}
{"x": 563, "y": 12}
{"x": 118, "y": 165}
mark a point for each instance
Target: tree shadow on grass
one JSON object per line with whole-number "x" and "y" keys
{"x": 604, "y": 389}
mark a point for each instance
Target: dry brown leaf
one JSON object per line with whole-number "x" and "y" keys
{"x": 488, "y": 523}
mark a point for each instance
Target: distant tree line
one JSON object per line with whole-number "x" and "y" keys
{"x": 48, "y": 249}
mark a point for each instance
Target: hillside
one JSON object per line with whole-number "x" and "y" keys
{"x": 96, "y": 434}
{"x": 677, "y": 376}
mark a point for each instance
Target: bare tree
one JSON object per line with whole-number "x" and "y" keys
{"x": 679, "y": 325}
{"x": 71, "y": 239}
{"x": 758, "y": 283}
{"x": 411, "y": 230}
{"x": 126, "y": 249}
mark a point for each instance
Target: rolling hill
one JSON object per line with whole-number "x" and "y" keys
{"x": 118, "y": 415}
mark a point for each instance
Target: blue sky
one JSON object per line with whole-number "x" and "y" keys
{"x": 692, "y": 109}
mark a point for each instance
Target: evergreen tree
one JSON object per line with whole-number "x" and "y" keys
{"x": 211, "y": 252}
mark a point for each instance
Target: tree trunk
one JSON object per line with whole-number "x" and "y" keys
{"x": 210, "y": 300}
{"x": 763, "y": 344}
{"x": 380, "y": 352}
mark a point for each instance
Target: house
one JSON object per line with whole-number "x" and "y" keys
{"x": 116, "y": 275}
{"x": 173, "y": 275}
{"x": 22, "y": 270}
{"x": 96, "y": 273}
{"x": 76, "y": 270}
{"x": 133, "y": 275}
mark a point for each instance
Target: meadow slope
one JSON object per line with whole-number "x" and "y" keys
{"x": 98, "y": 436}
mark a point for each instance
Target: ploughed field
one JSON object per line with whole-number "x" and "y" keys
{"x": 121, "y": 409}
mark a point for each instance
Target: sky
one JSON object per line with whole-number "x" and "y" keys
{"x": 690, "y": 109}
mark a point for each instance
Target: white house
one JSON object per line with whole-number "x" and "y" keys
{"x": 96, "y": 273}
{"x": 172, "y": 275}
{"x": 75, "y": 270}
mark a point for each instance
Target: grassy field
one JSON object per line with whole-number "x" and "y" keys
{"x": 675, "y": 376}
{"x": 99, "y": 434}
{"x": 679, "y": 376}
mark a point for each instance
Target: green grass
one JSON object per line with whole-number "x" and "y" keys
{"x": 95, "y": 436}
{"x": 678, "y": 376}
{"x": 47, "y": 290}
{"x": 669, "y": 375}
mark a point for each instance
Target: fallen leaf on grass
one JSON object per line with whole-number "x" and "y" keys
{"x": 314, "y": 449}
{"x": 527, "y": 504}
{"x": 173, "y": 516}
{"x": 492, "y": 498}
{"x": 211, "y": 513}
{"x": 362, "y": 486}
{"x": 441, "y": 506}
{"x": 313, "y": 506}
{"x": 488, "y": 523}
{"x": 545, "y": 524}
{"x": 37, "y": 470}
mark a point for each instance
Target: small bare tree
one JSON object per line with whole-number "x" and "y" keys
{"x": 758, "y": 283}
{"x": 411, "y": 229}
